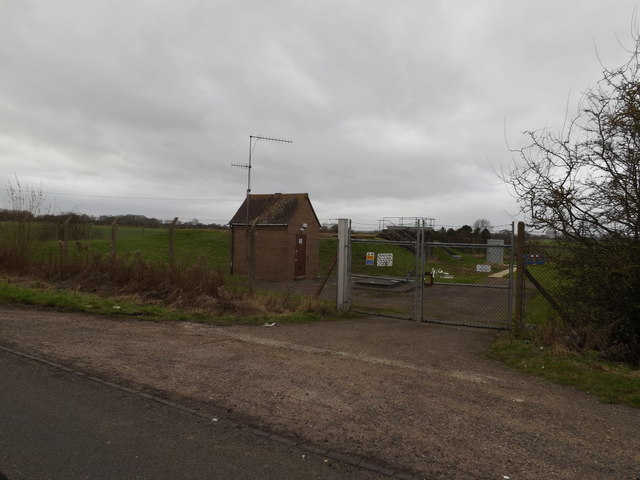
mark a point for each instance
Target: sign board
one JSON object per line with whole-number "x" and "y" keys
{"x": 370, "y": 259}
{"x": 483, "y": 268}
{"x": 534, "y": 259}
{"x": 385, "y": 260}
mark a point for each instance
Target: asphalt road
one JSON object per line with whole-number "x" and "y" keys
{"x": 59, "y": 425}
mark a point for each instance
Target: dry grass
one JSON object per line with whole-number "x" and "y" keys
{"x": 193, "y": 288}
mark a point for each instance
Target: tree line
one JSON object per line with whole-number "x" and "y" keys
{"x": 129, "y": 220}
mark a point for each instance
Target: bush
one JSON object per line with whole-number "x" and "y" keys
{"x": 583, "y": 182}
{"x": 601, "y": 292}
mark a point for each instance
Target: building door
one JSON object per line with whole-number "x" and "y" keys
{"x": 301, "y": 256}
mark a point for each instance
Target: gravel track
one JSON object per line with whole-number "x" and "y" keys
{"x": 415, "y": 396}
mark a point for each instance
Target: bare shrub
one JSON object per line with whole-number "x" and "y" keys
{"x": 583, "y": 182}
{"x": 18, "y": 234}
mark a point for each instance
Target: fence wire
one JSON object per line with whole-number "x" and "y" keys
{"x": 402, "y": 276}
{"x": 384, "y": 278}
{"x": 458, "y": 284}
{"x": 469, "y": 284}
{"x": 310, "y": 291}
{"x": 541, "y": 283}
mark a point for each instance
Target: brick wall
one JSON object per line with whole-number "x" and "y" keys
{"x": 275, "y": 247}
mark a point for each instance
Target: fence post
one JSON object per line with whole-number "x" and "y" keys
{"x": 343, "y": 300}
{"x": 114, "y": 226}
{"x": 252, "y": 257}
{"x": 419, "y": 270}
{"x": 512, "y": 256}
{"x": 519, "y": 314}
{"x": 171, "y": 254}
{"x": 65, "y": 237}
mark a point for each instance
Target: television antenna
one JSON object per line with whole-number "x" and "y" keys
{"x": 253, "y": 140}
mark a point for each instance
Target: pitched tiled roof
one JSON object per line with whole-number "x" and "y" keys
{"x": 270, "y": 209}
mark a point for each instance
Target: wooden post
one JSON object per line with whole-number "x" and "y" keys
{"x": 519, "y": 313}
{"x": 114, "y": 226}
{"x": 171, "y": 252}
{"x": 65, "y": 237}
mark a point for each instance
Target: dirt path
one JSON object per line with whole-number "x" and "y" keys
{"x": 411, "y": 395}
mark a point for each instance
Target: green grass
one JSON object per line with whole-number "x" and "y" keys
{"x": 40, "y": 295}
{"x": 71, "y": 301}
{"x": 610, "y": 382}
{"x": 403, "y": 260}
{"x": 328, "y": 250}
{"x": 214, "y": 246}
{"x": 537, "y": 309}
{"x": 463, "y": 269}
{"x": 189, "y": 245}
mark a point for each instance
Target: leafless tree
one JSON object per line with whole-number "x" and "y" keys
{"x": 26, "y": 199}
{"x": 18, "y": 235}
{"x": 583, "y": 182}
{"x": 481, "y": 225}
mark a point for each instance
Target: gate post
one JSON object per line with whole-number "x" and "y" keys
{"x": 114, "y": 226}
{"x": 419, "y": 270}
{"x": 519, "y": 279}
{"x": 343, "y": 301}
{"x": 512, "y": 257}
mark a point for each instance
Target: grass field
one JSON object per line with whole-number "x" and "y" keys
{"x": 213, "y": 247}
{"x": 461, "y": 267}
{"x": 153, "y": 243}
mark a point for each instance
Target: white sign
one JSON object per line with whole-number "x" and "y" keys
{"x": 385, "y": 260}
{"x": 483, "y": 268}
{"x": 370, "y": 259}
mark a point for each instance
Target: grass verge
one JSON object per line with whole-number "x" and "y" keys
{"x": 610, "y": 382}
{"x": 542, "y": 352}
{"x": 40, "y": 295}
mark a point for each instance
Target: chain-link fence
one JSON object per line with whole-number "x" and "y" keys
{"x": 163, "y": 263}
{"x": 541, "y": 282}
{"x": 408, "y": 277}
{"x": 459, "y": 284}
{"x": 403, "y": 274}
{"x": 386, "y": 277}
{"x": 469, "y": 284}
{"x": 311, "y": 290}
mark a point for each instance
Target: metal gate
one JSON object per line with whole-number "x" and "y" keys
{"x": 406, "y": 276}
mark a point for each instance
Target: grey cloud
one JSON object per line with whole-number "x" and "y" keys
{"x": 394, "y": 108}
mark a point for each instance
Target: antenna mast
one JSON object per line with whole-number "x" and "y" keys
{"x": 253, "y": 139}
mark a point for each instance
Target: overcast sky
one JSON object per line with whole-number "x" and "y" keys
{"x": 394, "y": 108}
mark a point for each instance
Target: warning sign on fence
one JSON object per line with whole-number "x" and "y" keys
{"x": 534, "y": 259}
{"x": 385, "y": 260}
{"x": 371, "y": 256}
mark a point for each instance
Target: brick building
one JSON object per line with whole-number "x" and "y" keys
{"x": 282, "y": 237}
